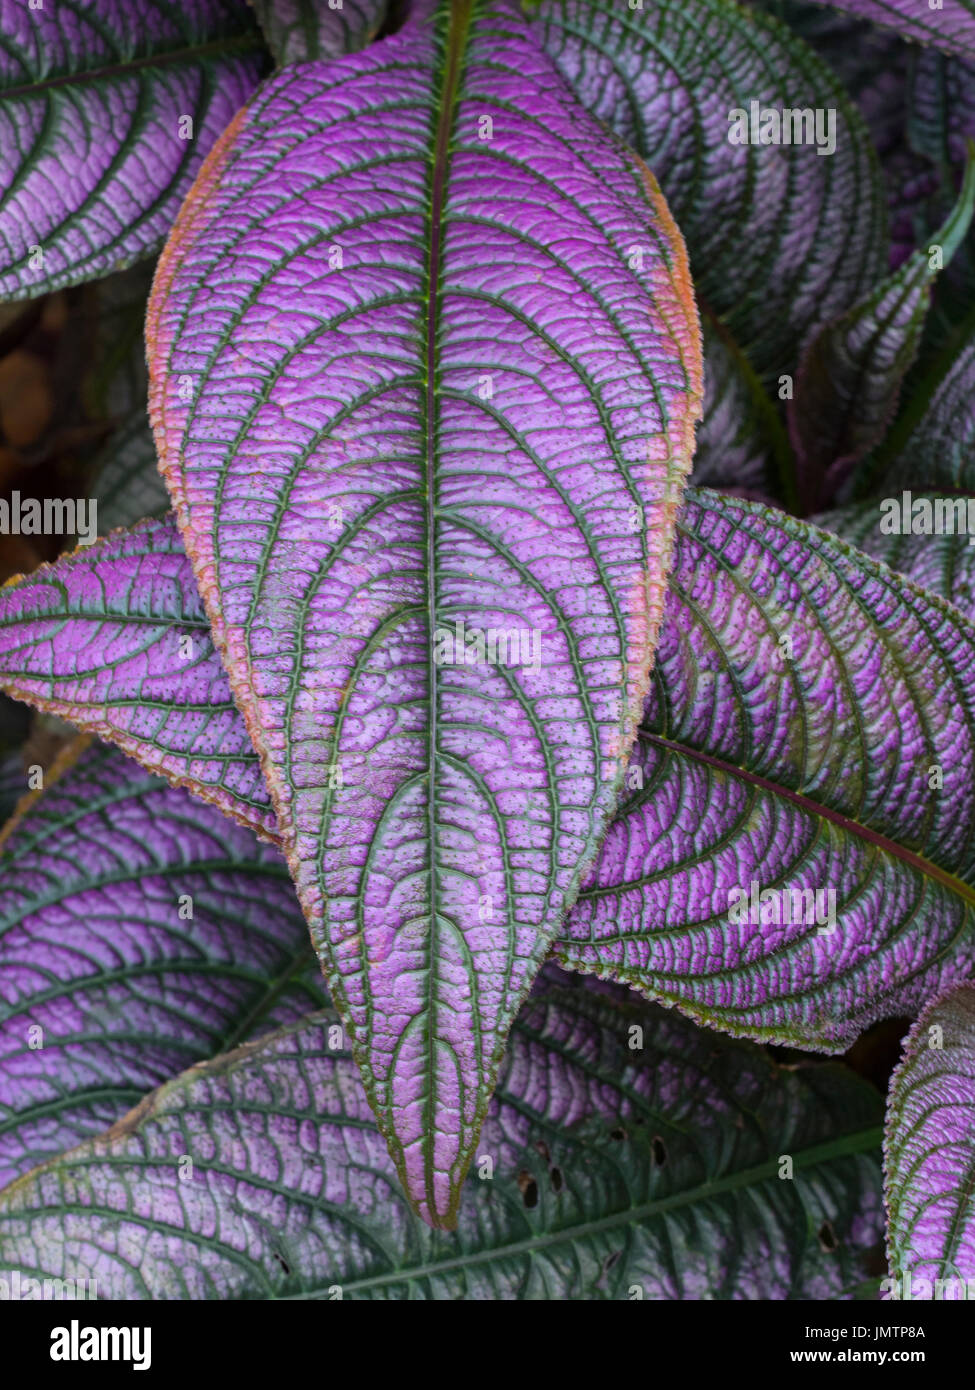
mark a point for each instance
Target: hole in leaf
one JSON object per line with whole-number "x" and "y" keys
{"x": 659, "y": 1150}
{"x": 529, "y": 1189}
{"x": 542, "y": 1148}
{"x": 556, "y": 1176}
{"x": 619, "y": 1134}
{"x": 827, "y": 1237}
{"x": 281, "y": 1261}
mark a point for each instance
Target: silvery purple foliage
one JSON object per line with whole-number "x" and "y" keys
{"x": 929, "y": 1151}
{"x": 106, "y": 114}
{"x": 436, "y": 682}
{"x": 127, "y": 954}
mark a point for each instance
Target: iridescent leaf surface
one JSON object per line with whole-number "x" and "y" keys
{"x": 114, "y": 639}
{"x": 107, "y": 109}
{"x": 782, "y": 238}
{"x": 793, "y": 863}
{"x": 139, "y": 932}
{"x": 942, "y": 563}
{"x": 615, "y": 1173}
{"x": 423, "y": 390}
{"x": 929, "y": 1151}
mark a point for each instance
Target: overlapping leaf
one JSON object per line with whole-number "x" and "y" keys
{"x": 851, "y": 375}
{"x": 929, "y": 1152}
{"x": 107, "y": 109}
{"x": 298, "y": 31}
{"x": 408, "y": 376}
{"x": 933, "y": 444}
{"x": 139, "y": 932}
{"x": 940, "y": 560}
{"x": 811, "y": 729}
{"x": 781, "y": 239}
{"x": 607, "y": 1171}
{"x": 741, "y": 444}
{"x": 949, "y": 26}
{"x": 114, "y": 639}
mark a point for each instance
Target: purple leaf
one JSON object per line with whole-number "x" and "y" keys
{"x": 300, "y": 30}
{"x": 929, "y": 1153}
{"x": 394, "y": 393}
{"x": 114, "y": 639}
{"x": 781, "y": 239}
{"x": 942, "y": 563}
{"x": 951, "y": 26}
{"x": 140, "y": 932}
{"x": 599, "y": 1159}
{"x": 771, "y": 764}
{"x": 108, "y": 109}
{"x": 850, "y": 377}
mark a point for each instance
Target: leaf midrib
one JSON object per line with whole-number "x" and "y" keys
{"x": 862, "y": 1141}
{"x": 195, "y": 53}
{"x": 458, "y": 27}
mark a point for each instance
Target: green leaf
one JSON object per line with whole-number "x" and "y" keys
{"x": 850, "y": 377}
{"x": 781, "y": 238}
{"x": 299, "y": 31}
{"x": 627, "y": 1155}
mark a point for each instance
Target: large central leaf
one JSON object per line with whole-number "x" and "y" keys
{"x": 425, "y": 362}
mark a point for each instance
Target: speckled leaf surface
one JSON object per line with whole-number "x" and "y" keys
{"x": 617, "y": 1174}
{"x": 850, "y": 378}
{"x": 950, "y": 27}
{"x": 769, "y": 758}
{"x": 93, "y": 165}
{"x": 929, "y": 1149}
{"x": 298, "y": 31}
{"x": 114, "y": 639}
{"x": 405, "y": 377}
{"x": 781, "y": 239}
{"x": 140, "y": 932}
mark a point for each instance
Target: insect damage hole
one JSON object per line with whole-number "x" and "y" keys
{"x": 827, "y": 1237}
{"x": 659, "y": 1150}
{"x": 528, "y": 1188}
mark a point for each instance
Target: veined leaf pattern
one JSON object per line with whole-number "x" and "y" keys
{"x": 769, "y": 763}
{"x": 108, "y": 109}
{"x": 404, "y": 377}
{"x": 616, "y": 1173}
